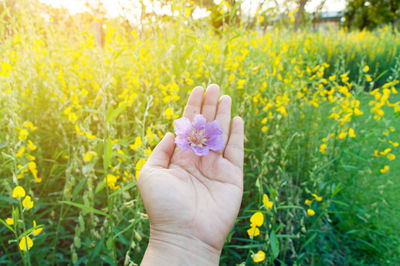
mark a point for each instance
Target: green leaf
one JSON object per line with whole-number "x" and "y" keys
{"x": 7, "y": 156}
{"x": 84, "y": 207}
{"x": 258, "y": 183}
{"x": 109, "y": 243}
{"x": 274, "y": 244}
{"x": 113, "y": 114}
{"x": 341, "y": 203}
{"x": 289, "y": 207}
{"x": 97, "y": 249}
{"x": 107, "y": 153}
{"x": 308, "y": 241}
{"x": 27, "y": 232}
{"x": 246, "y": 246}
{"x": 100, "y": 186}
{"x": 286, "y": 236}
{"x": 9, "y": 227}
{"x": 78, "y": 187}
{"x": 3, "y": 145}
{"x": 131, "y": 185}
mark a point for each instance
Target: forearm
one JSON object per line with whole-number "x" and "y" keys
{"x": 175, "y": 249}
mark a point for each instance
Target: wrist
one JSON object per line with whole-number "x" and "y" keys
{"x": 171, "y": 248}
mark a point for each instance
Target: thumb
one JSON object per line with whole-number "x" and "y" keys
{"x": 162, "y": 153}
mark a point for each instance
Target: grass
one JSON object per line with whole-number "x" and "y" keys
{"x": 295, "y": 92}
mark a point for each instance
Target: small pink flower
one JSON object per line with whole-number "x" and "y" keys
{"x": 200, "y": 136}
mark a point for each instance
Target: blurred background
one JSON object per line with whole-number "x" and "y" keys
{"x": 88, "y": 88}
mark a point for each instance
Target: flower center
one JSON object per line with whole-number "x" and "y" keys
{"x": 197, "y": 138}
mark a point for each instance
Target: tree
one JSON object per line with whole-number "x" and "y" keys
{"x": 232, "y": 15}
{"x": 300, "y": 14}
{"x": 368, "y": 14}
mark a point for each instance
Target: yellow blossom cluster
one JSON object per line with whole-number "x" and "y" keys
{"x": 27, "y": 160}
{"x": 308, "y": 202}
{"x": 25, "y": 243}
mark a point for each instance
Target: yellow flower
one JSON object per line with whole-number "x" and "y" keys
{"x": 30, "y": 126}
{"x": 147, "y": 152}
{"x": 259, "y": 256}
{"x": 342, "y": 135}
{"x": 395, "y": 144}
{"x": 10, "y": 221}
{"x": 391, "y": 156}
{"x": 89, "y": 136}
{"x": 72, "y": 117}
{"x": 351, "y": 133}
{"x": 264, "y": 128}
{"x": 168, "y": 113}
{"x": 253, "y": 231}
{"x": 240, "y": 83}
{"x": 36, "y": 231}
{"x": 30, "y": 157}
{"x": 282, "y": 110}
{"x": 32, "y": 167}
{"x": 18, "y": 192}
{"x": 89, "y": 156}
{"x": 20, "y": 152}
{"x": 386, "y": 151}
{"x": 385, "y": 169}
{"x": 322, "y": 148}
{"x": 27, "y": 203}
{"x": 267, "y": 202}
{"x": 31, "y": 146}
{"x": 308, "y": 202}
{"x": 365, "y": 69}
{"x": 310, "y": 212}
{"x": 317, "y": 198}
{"x": 150, "y": 136}
{"x": 257, "y": 219}
{"x": 376, "y": 153}
{"x": 138, "y": 143}
{"x": 25, "y": 241}
{"x": 78, "y": 130}
{"x": 139, "y": 165}
{"x": 23, "y": 134}
{"x": 111, "y": 181}
{"x": 265, "y": 120}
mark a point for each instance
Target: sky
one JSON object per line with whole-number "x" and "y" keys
{"x": 115, "y": 7}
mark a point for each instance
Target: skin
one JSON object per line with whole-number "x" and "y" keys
{"x": 193, "y": 201}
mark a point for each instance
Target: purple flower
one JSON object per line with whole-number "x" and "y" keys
{"x": 198, "y": 135}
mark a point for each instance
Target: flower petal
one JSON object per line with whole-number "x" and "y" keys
{"x": 199, "y": 122}
{"x": 215, "y": 143}
{"x": 213, "y": 128}
{"x": 182, "y": 126}
{"x": 182, "y": 142}
{"x": 200, "y": 151}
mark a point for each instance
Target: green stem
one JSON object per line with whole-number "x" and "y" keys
{"x": 16, "y": 238}
{"x": 111, "y": 223}
{"x": 24, "y": 227}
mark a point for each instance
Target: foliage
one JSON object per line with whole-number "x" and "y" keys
{"x": 78, "y": 122}
{"x": 368, "y": 14}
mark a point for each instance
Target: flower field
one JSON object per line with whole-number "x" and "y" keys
{"x": 78, "y": 121}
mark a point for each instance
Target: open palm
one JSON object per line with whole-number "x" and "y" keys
{"x": 194, "y": 196}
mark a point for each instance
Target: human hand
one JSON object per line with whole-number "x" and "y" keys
{"x": 192, "y": 201}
